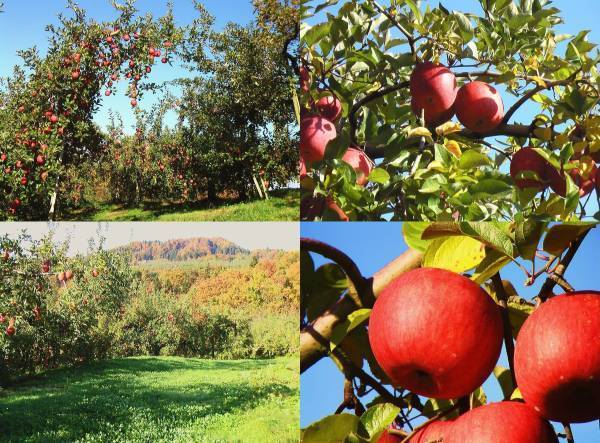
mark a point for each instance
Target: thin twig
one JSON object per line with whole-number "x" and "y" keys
{"x": 546, "y": 289}
{"x": 409, "y": 37}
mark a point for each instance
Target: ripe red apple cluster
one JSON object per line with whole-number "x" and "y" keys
{"x": 438, "y": 334}
{"x": 318, "y": 129}
{"x": 434, "y": 93}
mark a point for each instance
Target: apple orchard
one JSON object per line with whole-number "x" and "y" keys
{"x": 403, "y": 117}
{"x": 418, "y": 339}
{"x": 54, "y": 158}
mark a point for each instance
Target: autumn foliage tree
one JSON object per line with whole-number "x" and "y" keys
{"x": 424, "y": 332}
{"x": 396, "y": 73}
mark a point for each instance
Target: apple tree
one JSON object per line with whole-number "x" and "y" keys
{"x": 47, "y": 105}
{"x": 56, "y": 310}
{"x": 238, "y": 111}
{"x": 418, "y": 338}
{"x": 384, "y": 80}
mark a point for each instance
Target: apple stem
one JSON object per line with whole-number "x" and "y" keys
{"x": 568, "y": 433}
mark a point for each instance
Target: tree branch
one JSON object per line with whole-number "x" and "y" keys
{"x": 568, "y": 433}
{"x": 508, "y": 337}
{"x": 360, "y": 283}
{"x": 531, "y": 93}
{"x": 369, "y": 98}
{"x": 311, "y": 349}
{"x": 409, "y": 37}
{"x": 350, "y": 369}
{"x": 546, "y": 289}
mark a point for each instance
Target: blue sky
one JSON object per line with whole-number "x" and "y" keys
{"x": 23, "y": 23}
{"x": 372, "y": 245}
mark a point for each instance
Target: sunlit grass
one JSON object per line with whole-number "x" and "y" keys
{"x": 283, "y": 205}
{"x": 157, "y": 399}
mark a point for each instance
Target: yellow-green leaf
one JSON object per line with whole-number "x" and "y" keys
{"x": 457, "y": 254}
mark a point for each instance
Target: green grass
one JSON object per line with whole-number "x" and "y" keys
{"x": 157, "y": 399}
{"x": 283, "y": 205}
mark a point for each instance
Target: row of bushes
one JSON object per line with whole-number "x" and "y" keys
{"x": 108, "y": 309}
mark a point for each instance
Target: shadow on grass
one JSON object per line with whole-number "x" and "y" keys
{"x": 281, "y": 200}
{"x": 69, "y": 404}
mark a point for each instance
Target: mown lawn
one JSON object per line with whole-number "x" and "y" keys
{"x": 157, "y": 399}
{"x": 283, "y": 205}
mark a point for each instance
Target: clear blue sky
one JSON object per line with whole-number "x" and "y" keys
{"x": 372, "y": 245}
{"x": 23, "y": 23}
{"x": 577, "y": 15}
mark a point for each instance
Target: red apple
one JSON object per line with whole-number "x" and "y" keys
{"x": 40, "y": 160}
{"x": 75, "y": 75}
{"x": 329, "y": 107}
{"x": 361, "y": 163}
{"x": 2, "y": 318}
{"x": 504, "y": 422}
{"x": 133, "y": 103}
{"x": 528, "y": 159}
{"x": 479, "y": 107}
{"x": 95, "y": 272}
{"x": 54, "y": 119}
{"x": 557, "y": 358}
{"x": 46, "y": 266}
{"x": 107, "y": 92}
{"x": 386, "y": 437}
{"x": 433, "y": 432}
{"x": 433, "y": 89}
{"x": 10, "y": 331}
{"x": 3, "y": 157}
{"x": 315, "y": 133}
{"x": 435, "y": 333}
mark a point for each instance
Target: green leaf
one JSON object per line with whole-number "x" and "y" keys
{"x": 457, "y": 254}
{"x": 477, "y": 398}
{"x": 379, "y": 175}
{"x": 502, "y": 374}
{"x": 527, "y": 237}
{"x": 353, "y": 320}
{"x": 472, "y": 159}
{"x": 491, "y": 234}
{"x": 312, "y": 35}
{"x": 518, "y": 311}
{"x": 435, "y": 406}
{"x": 559, "y": 237}
{"x": 412, "y": 235}
{"x": 331, "y": 429}
{"x": 377, "y": 418}
{"x": 327, "y": 285}
{"x": 492, "y": 263}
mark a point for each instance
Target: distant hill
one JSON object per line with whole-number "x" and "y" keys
{"x": 184, "y": 249}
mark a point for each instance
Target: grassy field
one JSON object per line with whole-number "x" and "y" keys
{"x": 283, "y": 205}
{"x": 157, "y": 399}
